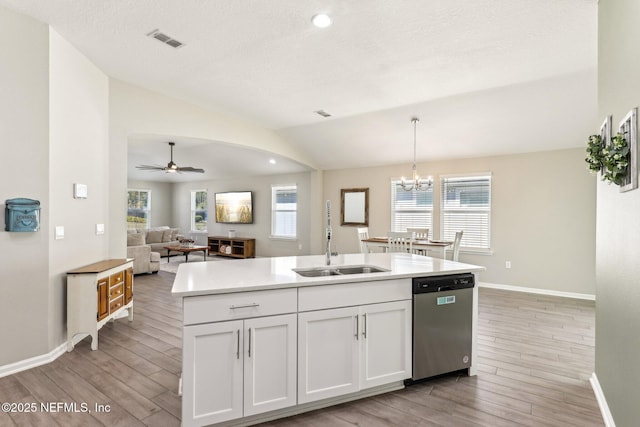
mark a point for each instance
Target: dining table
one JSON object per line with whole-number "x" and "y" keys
{"x": 437, "y": 247}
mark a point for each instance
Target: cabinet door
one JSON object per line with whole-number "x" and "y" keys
{"x": 103, "y": 298}
{"x": 128, "y": 286}
{"x": 385, "y": 337}
{"x": 270, "y": 363}
{"x": 212, "y": 380}
{"x": 327, "y": 353}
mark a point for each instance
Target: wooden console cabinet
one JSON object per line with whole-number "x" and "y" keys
{"x": 97, "y": 293}
{"x": 239, "y": 247}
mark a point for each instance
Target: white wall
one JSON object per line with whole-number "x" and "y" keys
{"x": 79, "y": 123}
{"x": 543, "y": 215}
{"x": 55, "y": 121}
{"x": 161, "y": 201}
{"x": 24, "y": 108}
{"x": 618, "y": 228}
{"x": 261, "y": 228}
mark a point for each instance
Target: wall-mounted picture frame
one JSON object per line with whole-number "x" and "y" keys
{"x": 605, "y": 134}
{"x": 354, "y": 207}
{"x": 628, "y": 127}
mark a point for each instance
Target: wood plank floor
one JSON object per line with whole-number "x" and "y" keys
{"x": 536, "y": 355}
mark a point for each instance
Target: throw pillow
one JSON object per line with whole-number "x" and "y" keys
{"x": 166, "y": 236}
{"x": 154, "y": 236}
{"x": 174, "y": 233}
{"x": 135, "y": 239}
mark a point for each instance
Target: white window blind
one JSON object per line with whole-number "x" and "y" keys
{"x": 466, "y": 205}
{"x": 138, "y": 209}
{"x": 284, "y": 210}
{"x": 199, "y": 210}
{"x": 410, "y": 208}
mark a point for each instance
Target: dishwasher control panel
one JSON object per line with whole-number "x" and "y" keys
{"x": 443, "y": 283}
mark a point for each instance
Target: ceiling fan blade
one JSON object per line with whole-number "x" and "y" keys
{"x": 190, "y": 169}
{"x": 150, "y": 168}
{"x": 171, "y": 166}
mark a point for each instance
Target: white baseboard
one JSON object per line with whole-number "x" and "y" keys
{"x": 589, "y": 297}
{"x": 32, "y": 362}
{"x": 602, "y": 401}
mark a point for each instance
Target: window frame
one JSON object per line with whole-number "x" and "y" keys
{"x": 147, "y": 209}
{"x": 395, "y": 182}
{"x": 275, "y": 211}
{"x": 442, "y": 181}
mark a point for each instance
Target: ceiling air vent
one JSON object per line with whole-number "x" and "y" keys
{"x": 156, "y": 34}
{"x": 322, "y": 113}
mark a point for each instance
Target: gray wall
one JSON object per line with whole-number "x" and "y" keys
{"x": 161, "y": 201}
{"x": 24, "y": 108}
{"x": 53, "y": 104}
{"x": 618, "y": 226}
{"x": 543, "y": 215}
{"x": 261, "y": 228}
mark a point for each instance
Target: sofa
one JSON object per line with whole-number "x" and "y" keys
{"x": 144, "y": 259}
{"x": 157, "y": 237}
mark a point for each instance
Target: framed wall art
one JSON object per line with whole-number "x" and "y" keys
{"x": 628, "y": 128}
{"x": 605, "y": 134}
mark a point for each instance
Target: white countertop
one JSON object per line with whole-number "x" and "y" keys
{"x": 241, "y": 275}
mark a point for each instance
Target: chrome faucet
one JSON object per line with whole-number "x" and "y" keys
{"x": 328, "y": 254}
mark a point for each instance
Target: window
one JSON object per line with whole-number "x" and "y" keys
{"x": 410, "y": 208}
{"x": 199, "y": 210}
{"x": 139, "y": 209}
{"x": 284, "y": 207}
{"x": 466, "y": 205}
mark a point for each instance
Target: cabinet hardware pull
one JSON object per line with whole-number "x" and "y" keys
{"x": 238, "y": 346}
{"x": 364, "y": 326}
{"x": 249, "y": 342}
{"x": 254, "y": 304}
{"x": 357, "y": 326}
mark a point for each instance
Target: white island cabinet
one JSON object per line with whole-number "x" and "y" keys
{"x": 262, "y": 342}
{"x": 364, "y": 343}
{"x": 238, "y": 368}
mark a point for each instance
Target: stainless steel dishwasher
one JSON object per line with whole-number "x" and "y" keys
{"x": 442, "y": 322}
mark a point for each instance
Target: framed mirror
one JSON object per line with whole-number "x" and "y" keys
{"x": 354, "y": 206}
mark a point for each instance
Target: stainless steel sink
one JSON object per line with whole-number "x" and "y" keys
{"x": 338, "y": 270}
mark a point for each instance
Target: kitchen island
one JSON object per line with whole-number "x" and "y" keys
{"x": 265, "y": 338}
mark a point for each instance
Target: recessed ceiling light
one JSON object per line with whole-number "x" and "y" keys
{"x": 321, "y": 20}
{"x": 272, "y": 161}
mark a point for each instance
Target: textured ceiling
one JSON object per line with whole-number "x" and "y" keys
{"x": 380, "y": 63}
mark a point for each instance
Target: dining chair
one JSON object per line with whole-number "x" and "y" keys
{"x": 399, "y": 241}
{"x": 363, "y": 233}
{"x": 455, "y": 249}
{"x": 419, "y": 234}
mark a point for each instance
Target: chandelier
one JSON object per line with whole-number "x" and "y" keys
{"x": 416, "y": 183}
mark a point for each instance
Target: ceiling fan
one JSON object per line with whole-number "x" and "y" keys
{"x": 171, "y": 166}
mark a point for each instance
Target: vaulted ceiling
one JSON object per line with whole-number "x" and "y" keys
{"x": 485, "y": 77}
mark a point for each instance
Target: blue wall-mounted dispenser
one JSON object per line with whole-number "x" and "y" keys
{"x": 22, "y": 215}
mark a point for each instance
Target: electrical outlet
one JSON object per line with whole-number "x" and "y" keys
{"x": 507, "y": 264}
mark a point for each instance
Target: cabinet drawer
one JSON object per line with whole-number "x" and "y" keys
{"x": 116, "y": 278}
{"x": 116, "y": 291}
{"x": 240, "y": 305}
{"x": 350, "y": 294}
{"x": 116, "y": 304}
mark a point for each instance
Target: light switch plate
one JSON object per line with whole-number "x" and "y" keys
{"x": 59, "y": 232}
{"x": 99, "y": 229}
{"x": 80, "y": 191}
